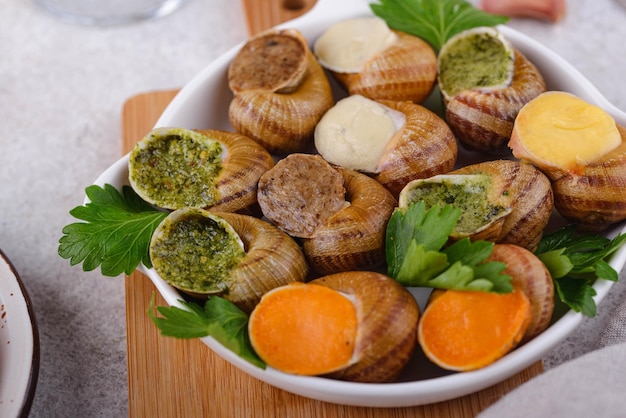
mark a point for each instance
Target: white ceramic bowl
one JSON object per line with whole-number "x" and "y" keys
{"x": 203, "y": 103}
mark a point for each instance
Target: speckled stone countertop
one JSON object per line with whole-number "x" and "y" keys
{"x": 62, "y": 87}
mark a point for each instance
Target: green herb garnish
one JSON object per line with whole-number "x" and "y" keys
{"x": 575, "y": 260}
{"x": 435, "y": 21}
{"x": 116, "y": 233}
{"x": 219, "y": 319}
{"x": 416, "y": 256}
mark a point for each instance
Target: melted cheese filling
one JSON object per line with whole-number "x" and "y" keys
{"x": 565, "y": 130}
{"x": 355, "y": 132}
{"x": 346, "y": 46}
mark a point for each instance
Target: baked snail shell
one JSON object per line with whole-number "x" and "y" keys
{"x": 271, "y": 258}
{"x": 425, "y": 146}
{"x": 286, "y": 98}
{"x": 527, "y": 191}
{"x": 354, "y": 237}
{"x": 339, "y": 215}
{"x": 477, "y": 196}
{"x": 594, "y": 198}
{"x": 232, "y": 187}
{"x": 531, "y": 276}
{"x": 244, "y": 163}
{"x": 405, "y": 71}
{"x": 482, "y": 119}
{"x": 582, "y": 150}
{"x": 387, "y": 333}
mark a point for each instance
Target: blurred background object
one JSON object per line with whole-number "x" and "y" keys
{"x": 108, "y": 12}
{"x": 550, "y": 10}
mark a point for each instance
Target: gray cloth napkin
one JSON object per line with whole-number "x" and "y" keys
{"x": 591, "y": 385}
{"x": 615, "y": 332}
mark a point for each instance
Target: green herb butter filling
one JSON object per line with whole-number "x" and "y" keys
{"x": 475, "y": 59}
{"x": 175, "y": 168}
{"x": 195, "y": 251}
{"x": 470, "y": 195}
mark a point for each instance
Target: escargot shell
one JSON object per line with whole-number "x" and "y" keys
{"x": 244, "y": 163}
{"x": 236, "y": 256}
{"x": 278, "y": 101}
{"x": 339, "y": 214}
{"x": 387, "y": 332}
{"x": 483, "y": 120}
{"x": 425, "y": 146}
{"x": 354, "y": 237}
{"x": 527, "y": 191}
{"x": 581, "y": 148}
{"x": 272, "y": 259}
{"x": 482, "y": 208}
{"x": 405, "y": 71}
{"x": 174, "y": 168}
{"x": 595, "y": 198}
{"x": 394, "y": 142}
{"x": 531, "y": 276}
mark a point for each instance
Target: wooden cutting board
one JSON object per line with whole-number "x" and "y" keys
{"x": 263, "y": 14}
{"x": 168, "y": 377}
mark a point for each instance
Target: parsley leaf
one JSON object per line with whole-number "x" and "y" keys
{"x": 486, "y": 276}
{"x": 577, "y": 294}
{"x": 219, "y": 319}
{"x": 435, "y": 21}
{"x": 430, "y": 229}
{"x": 115, "y": 234}
{"x": 414, "y": 241}
{"x": 575, "y": 260}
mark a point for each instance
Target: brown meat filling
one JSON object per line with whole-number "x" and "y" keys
{"x": 300, "y": 193}
{"x": 273, "y": 61}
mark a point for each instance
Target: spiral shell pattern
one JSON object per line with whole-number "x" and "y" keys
{"x": 533, "y": 278}
{"x": 354, "y": 237}
{"x": 596, "y": 197}
{"x": 283, "y": 118}
{"x": 425, "y": 146}
{"x": 527, "y": 191}
{"x": 405, "y": 71}
{"x": 272, "y": 259}
{"x": 387, "y": 333}
{"x": 244, "y": 163}
{"x": 482, "y": 119}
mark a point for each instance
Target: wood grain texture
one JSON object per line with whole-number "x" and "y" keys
{"x": 169, "y": 377}
{"x": 263, "y": 14}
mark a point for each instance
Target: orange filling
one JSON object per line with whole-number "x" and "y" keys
{"x": 304, "y": 329}
{"x": 469, "y": 330}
